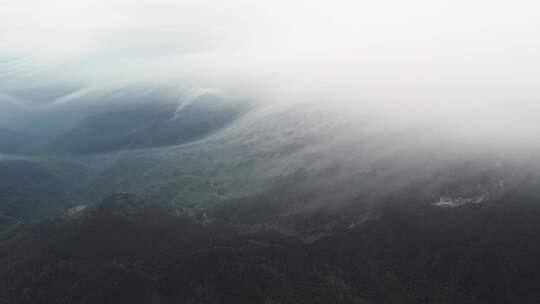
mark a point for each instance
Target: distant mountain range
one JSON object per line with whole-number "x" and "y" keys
{"x": 12, "y": 142}
{"x": 47, "y": 175}
{"x": 218, "y": 200}
{"x": 148, "y": 125}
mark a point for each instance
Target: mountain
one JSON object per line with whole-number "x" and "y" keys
{"x": 266, "y": 204}
{"x": 127, "y": 118}
{"x": 304, "y": 158}
{"x": 310, "y": 156}
{"x": 12, "y": 142}
{"x": 126, "y": 250}
{"x": 31, "y": 189}
{"x": 147, "y": 125}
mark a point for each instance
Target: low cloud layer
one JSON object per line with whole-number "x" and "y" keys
{"x": 470, "y": 69}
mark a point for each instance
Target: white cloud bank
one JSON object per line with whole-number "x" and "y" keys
{"x": 471, "y": 66}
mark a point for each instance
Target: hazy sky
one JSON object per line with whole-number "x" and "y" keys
{"x": 474, "y": 64}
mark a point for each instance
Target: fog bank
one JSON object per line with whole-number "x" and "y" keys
{"x": 468, "y": 70}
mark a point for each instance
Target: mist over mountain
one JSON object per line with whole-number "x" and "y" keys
{"x": 13, "y": 141}
{"x": 269, "y": 152}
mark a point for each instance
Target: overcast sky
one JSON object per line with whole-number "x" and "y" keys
{"x": 475, "y": 63}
